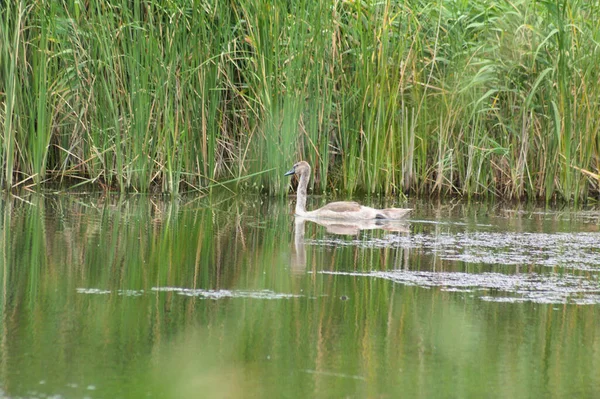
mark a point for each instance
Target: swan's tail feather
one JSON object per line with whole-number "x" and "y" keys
{"x": 394, "y": 213}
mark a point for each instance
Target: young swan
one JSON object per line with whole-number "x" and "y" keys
{"x": 348, "y": 210}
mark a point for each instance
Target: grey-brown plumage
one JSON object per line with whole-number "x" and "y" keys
{"x": 348, "y": 210}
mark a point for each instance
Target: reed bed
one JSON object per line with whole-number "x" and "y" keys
{"x": 475, "y": 98}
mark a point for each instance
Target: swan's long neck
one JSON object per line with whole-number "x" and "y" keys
{"x": 302, "y": 192}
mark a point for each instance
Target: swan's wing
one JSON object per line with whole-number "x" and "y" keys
{"x": 342, "y": 206}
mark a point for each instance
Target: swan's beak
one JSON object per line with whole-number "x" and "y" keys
{"x": 290, "y": 172}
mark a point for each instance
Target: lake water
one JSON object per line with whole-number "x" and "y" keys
{"x": 140, "y": 297}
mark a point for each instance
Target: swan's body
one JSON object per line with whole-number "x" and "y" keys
{"x": 353, "y": 227}
{"x": 348, "y": 210}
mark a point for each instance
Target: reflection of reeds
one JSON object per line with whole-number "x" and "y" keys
{"x": 346, "y": 335}
{"x": 445, "y": 97}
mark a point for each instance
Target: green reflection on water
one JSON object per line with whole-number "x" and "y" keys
{"x": 93, "y": 305}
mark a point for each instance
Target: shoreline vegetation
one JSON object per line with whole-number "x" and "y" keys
{"x": 471, "y": 98}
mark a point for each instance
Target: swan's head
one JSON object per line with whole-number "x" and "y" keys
{"x": 299, "y": 168}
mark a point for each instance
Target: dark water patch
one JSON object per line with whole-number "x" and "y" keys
{"x": 451, "y": 223}
{"x": 581, "y": 216}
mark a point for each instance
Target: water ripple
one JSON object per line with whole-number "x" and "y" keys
{"x": 206, "y": 294}
{"x": 530, "y": 287}
{"x": 219, "y": 294}
{"x": 579, "y": 251}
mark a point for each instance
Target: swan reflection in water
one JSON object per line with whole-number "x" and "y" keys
{"x": 339, "y": 227}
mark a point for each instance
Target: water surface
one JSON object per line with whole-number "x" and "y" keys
{"x": 138, "y": 297}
